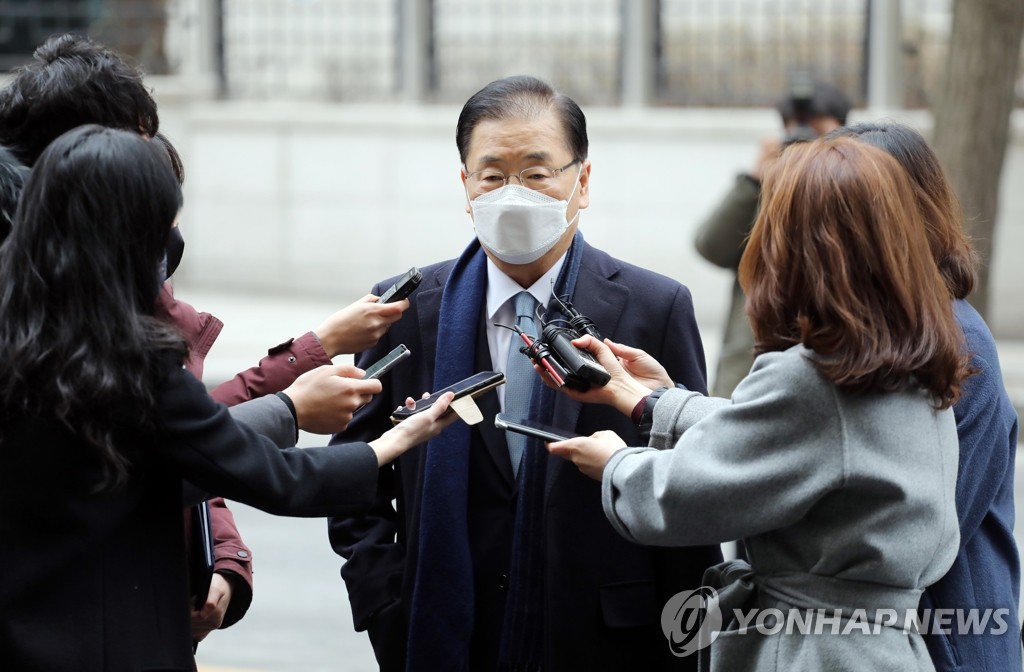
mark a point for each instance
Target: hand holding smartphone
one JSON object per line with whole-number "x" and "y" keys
{"x": 473, "y": 386}
{"x": 387, "y": 362}
{"x": 201, "y": 554}
{"x": 545, "y": 433}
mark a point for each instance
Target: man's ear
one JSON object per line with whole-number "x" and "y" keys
{"x": 585, "y": 185}
{"x": 465, "y": 190}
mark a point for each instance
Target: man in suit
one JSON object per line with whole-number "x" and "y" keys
{"x": 495, "y": 555}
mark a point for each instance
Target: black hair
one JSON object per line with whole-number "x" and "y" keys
{"x": 177, "y": 165}
{"x": 12, "y": 178}
{"x": 78, "y": 289}
{"x": 822, "y": 100}
{"x": 71, "y": 81}
{"x": 522, "y": 97}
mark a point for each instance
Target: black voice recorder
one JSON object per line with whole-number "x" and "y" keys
{"x": 554, "y": 352}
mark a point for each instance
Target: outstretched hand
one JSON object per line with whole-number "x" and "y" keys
{"x": 326, "y": 397}
{"x": 623, "y": 391}
{"x": 645, "y": 369}
{"x": 415, "y": 429}
{"x": 358, "y": 326}
{"x": 589, "y": 453}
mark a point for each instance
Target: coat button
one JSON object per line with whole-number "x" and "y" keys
{"x": 242, "y": 554}
{"x": 503, "y": 581}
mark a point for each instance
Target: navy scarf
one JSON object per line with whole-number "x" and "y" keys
{"x": 442, "y": 613}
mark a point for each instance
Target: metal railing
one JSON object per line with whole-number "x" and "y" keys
{"x": 742, "y": 53}
{"x": 724, "y": 53}
{"x": 136, "y": 28}
{"x": 575, "y": 46}
{"x": 329, "y": 49}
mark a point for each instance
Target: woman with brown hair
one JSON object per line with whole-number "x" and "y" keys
{"x": 986, "y": 573}
{"x": 835, "y": 460}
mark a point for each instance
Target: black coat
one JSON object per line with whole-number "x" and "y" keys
{"x": 603, "y": 594}
{"x": 97, "y": 582}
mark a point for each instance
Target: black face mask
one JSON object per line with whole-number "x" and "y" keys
{"x": 175, "y": 249}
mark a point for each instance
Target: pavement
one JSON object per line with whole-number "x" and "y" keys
{"x": 300, "y": 619}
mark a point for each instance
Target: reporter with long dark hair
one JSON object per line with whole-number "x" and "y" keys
{"x": 71, "y": 81}
{"x": 12, "y": 177}
{"x": 99, "y": 423}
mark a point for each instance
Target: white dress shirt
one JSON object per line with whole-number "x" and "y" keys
{"x": 501, "y": 309}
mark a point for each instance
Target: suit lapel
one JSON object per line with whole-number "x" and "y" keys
{"x": 427, "y": 303}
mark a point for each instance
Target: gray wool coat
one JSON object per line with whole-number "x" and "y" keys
{"x": 843, "y": 502}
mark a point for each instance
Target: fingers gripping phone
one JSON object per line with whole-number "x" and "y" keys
{"x": 387, "y": 362}
{"x": 531, "y": 428}
{"x": 403, "y": 287}
{"x": 470, "y": 387}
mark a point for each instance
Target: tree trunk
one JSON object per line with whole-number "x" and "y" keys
{"x": 972, "y": 115}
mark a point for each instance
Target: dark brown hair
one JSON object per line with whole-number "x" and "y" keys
{"x": 838, "y": 260}
{"x": 936, "y": 201}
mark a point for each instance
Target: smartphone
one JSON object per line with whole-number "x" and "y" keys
{"x": 531, "y": 428}
{"x": 201, "y": 554}
{"x": 473, "y": 386}
{"x": 386, "y": 363}
{"x": 403, "y": 287}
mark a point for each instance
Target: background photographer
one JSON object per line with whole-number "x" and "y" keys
{"x": 808, "y": 111}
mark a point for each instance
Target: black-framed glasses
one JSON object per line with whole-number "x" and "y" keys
{"x": 538, "y": 178}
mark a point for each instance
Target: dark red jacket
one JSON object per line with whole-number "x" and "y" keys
{"x": 282, "y": 365}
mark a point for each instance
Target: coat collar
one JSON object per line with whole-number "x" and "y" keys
{"x": 427, "y": 301}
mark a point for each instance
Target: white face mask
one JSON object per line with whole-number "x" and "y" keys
{"x": 519, "y": 225}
